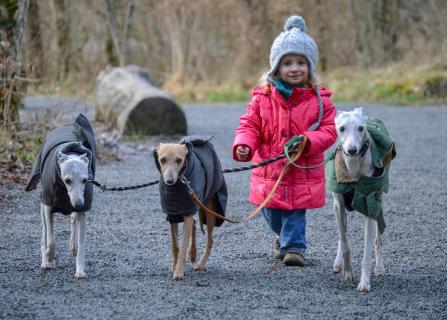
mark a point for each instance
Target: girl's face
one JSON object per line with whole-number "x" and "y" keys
{"x": 294, "y": 69}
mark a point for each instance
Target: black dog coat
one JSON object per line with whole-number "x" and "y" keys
{"x": 77, "y": 138}
{"x": 204, "y": 172}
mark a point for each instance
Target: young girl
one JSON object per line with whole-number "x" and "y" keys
{"x": 290, "y": 103}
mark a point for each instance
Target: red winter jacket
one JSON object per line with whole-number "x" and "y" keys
{"x": 270, "y": 121}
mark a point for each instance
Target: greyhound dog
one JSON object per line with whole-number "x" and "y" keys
{"x": 194, "y": 160}
{"x": 64, "y": 167}
{"x": 356, "y": 166}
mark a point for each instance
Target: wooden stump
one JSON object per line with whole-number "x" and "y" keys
{"x": 127, "y": 97}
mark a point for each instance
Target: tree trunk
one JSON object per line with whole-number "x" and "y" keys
{"x": 35, "y": 55}
{"x": 12, "y": 23}
{"x": 63, "y": 37}
{"x": 127, "y": 98}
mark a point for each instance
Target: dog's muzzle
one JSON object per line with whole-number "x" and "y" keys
{"x": 352, "y": 152}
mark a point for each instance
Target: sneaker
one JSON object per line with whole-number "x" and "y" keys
{"x": 294, "y": 259}
{"x": 276, "y": 252}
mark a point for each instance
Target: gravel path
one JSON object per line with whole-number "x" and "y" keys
{"x": 128, "y": 244}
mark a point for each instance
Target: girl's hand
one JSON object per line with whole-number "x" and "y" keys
{"x": 242, "y": 152}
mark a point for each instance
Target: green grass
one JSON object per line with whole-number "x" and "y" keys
{"x": 392, "y": 84}
{"x": 397, "y": 84}
{"x": 228, "y": 94}
{"x": 134, "y": 137}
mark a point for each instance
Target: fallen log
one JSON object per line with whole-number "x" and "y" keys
{"x": 127, "y": 98}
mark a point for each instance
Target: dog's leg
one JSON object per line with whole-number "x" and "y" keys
{"x": 73, "y": 246}
{"x": 343, "y": 247}
{"x": 187, "y": 230}
{"x": 80, "y": 258}
{"x": 370, "y": 226}
{"x": 43, "y": 244}
{"x": 174, "y": 238}
{"x": 338, "y": 262}
{"x": 193, "y": 247}
{"x": 51, "y": 245}
{"x": 379, "y": 268}
{"x": 210, "y": 223}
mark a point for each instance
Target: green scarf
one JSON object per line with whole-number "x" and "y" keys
{"x": 285, "y": 88}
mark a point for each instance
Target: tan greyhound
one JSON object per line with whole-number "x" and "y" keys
{"x": 172, "y": 162}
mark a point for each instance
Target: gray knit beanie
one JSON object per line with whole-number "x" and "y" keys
{"x": 294, "y": 40}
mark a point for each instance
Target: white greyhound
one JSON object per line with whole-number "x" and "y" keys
{"x": 74, "y": 171}
{"x": 354, "y": 142}
{"x": 64, "y": 167}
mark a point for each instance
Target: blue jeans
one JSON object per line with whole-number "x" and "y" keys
{"x": 290, "y": 226}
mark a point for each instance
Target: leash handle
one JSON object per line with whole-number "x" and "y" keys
{"x": 291, "y": 145}
{"x": 296, "y": 155}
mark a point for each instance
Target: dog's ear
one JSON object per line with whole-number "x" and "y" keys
{"x": 360, "y": 110}
{"x": 186, "y": 150}
{"x": 155, "y": 151}
{"x": 84, "y": 158}
{"x": 62, "y": 158}
{"x": 155, "y": 154}
{"x": 339, "y": 113}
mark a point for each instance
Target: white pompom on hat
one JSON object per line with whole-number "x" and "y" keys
{"x": 294, "y": 40}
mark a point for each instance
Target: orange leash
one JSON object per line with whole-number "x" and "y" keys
{"x": 296, "y": 155}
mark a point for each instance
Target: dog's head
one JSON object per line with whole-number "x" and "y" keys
{"x": 352, "y": 130}
{"x": 170, "y": 159}
{"x": 74, "y": 174}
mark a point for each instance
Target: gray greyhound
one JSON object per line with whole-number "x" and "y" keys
{"x": 64, "y": 166}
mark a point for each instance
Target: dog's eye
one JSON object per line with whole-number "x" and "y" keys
{"x": 341, "y": 129}
{"x": 84, "y": 181}
{"x": 162, "y": 160}
{"x": 68, "y": 181}
{"x": 361, "y": 128}
{"x": 179, "y": 160}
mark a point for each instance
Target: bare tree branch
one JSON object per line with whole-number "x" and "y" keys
{"x": 126, "y": 32}
{"x": 111, "y": 22}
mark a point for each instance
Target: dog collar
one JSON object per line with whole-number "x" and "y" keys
{"x": 364, "y": 148}
{"x": 362, "y": 151}
{"x": 183, "y": 169}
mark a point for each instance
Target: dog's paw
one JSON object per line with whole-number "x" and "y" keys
{"x": 379, "y": 271}
{"x": 80, "y": 275}
{"x": 198, "y": 267}
{"x": 363, "y": 287}
{"x": 348, "y": 276}
{"x": 45, "y": 266}
{"x": 172, "y": 267}
{"x": 178, "y": 275}
{"x": 338, "y": 267}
